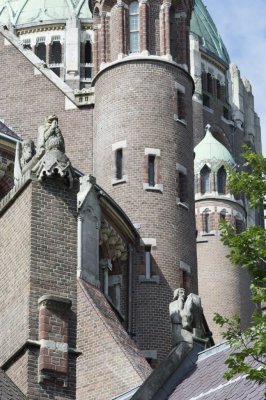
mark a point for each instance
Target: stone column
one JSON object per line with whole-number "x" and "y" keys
{"x": 167, "y": 27}
{"x": 120, "y": 28}
{"x": 95, "y": 49}
{"x": 72, "y": 52}
{"x": 103, "y": 39}
{"x": 162, "y": 45}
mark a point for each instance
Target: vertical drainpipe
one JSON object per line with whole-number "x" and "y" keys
{"x": 79, "y": 245}
{"x": 130, "y": 271}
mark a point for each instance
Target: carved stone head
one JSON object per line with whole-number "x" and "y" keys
{"x": 27, "y": 151}
{"x": 179, "y": 293}
{"x": 50, "y": 118}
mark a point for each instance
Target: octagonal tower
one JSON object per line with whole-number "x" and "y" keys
{"x": 143, "y": 148}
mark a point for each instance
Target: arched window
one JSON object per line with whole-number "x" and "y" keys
{"x": 221, "y": 180}
{"x": 205, "y": 179}
{"x": 134, "y": 26}
{"x": 87, "y": 55}
{"x": 239, "y": 225}
{"x": 206, "y": 223}
{"x": 56, "y": 52}
{"x": 222, "y": 215}
{"x": 40, "y": 50}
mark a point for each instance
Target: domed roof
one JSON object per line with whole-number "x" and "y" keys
{"x": 202, "y": 25}
{"x": 19, "y": 12}
{"x": 210, "y": 149}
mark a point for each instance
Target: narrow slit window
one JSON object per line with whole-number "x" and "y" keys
{"x": 182, "y": 187}
{"x": 221, "y": 179}
{"x": 151, "y": 170}
{"x": 148, "y": 262}
{"x": 134, "y": 27}
{"x": 206, "y": 222}
{"x": 218, "y": 89}
{"x": 181, "y": 105}
{"x": 119, "y": 163}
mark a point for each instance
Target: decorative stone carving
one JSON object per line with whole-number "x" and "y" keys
{"x": 117, "y": 247}
{"x": 186, "y": 316}
{"x": 49, "y": 159}
{"x": 51, "y": 152}
{"x": 25, "y": 158}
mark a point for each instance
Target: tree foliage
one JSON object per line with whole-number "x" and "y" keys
{"x": 248, "y": 250}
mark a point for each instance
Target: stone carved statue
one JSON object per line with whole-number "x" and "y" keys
{"x": 50, "y": 136}
{"x": 28, "y": 151}
{"x": 186, "y": 316}
{"x": 49, "y": 159}
{"x": 51, "y": 151}
{"x": 25, "y": 158}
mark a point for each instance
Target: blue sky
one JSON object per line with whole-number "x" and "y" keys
{"x": 242, "y": 26}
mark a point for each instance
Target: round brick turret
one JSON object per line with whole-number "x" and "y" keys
{"x": 223, "y": 288}
{"x": 143, "y": 157}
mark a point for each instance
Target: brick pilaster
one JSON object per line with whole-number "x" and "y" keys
{"x": 53, "y": 336}
{"x": 144, "y": 25}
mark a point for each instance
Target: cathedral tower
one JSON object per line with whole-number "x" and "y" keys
{"x": 143, "y": 148}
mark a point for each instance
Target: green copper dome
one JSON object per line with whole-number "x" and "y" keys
{"x": 19, "y": 12}
{"x": 203, "y": 26}
{"x": 210, "y": 149}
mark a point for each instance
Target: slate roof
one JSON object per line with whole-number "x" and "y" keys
{"x": 205, "y": 380}
{"x": 8, "y": 390}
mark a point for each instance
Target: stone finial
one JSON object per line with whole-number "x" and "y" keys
{"x": 186, "y": 316}
{"x": 208, "y": 128}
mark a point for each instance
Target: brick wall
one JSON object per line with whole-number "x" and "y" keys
{"x": 150, "y": 107}
{"x": 38, "y": 232}
{"x": 28, "y": 97}
{"x": 15, "y": 248}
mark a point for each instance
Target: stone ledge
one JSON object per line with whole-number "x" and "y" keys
{"x": 152, "y": 279}
{"x": 156, "y": 188}
{"x": 54, "y": 302}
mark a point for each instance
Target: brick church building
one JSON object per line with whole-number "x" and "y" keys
{"x": 100, "y": 224}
